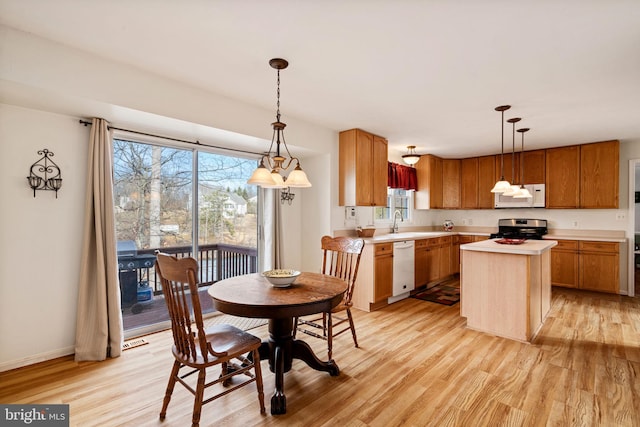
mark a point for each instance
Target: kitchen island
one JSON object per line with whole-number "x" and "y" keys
{"x": 505, "y": 289}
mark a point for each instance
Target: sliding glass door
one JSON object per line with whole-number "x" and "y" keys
{"x": 183, "y": 202}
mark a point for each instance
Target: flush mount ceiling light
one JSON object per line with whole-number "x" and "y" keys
{"x": 513, "y": 188}
{"x": 273, "y": 165}
{"x": 411, "y": 158}
{"x": 523, "y": 193}
{"x": 502, "y": 185}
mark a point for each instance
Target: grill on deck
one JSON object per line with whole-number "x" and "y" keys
{"x": 132, "y": 267}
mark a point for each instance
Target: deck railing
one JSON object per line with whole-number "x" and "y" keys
{"x": 217, "y": 262}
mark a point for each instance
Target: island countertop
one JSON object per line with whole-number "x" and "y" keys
{"x": 529, "y": 247}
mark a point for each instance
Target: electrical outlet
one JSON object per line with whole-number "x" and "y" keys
{"x": 620, "y": 216}
{"x": 575, "y": 224}
{"x": 470, "y": 221}
{"x": 464, "y": 222}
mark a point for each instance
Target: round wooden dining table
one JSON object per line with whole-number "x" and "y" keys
{"x": 253, "y": 296}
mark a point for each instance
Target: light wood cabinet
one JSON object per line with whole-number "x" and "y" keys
{"x": 444, "y": 249}
{"x": 563, "y": 177}
{"x": 486, "y": 181}
{"x": 429, "y": 176}
{"x": 421, "y": 263}
{"x": 589, "y": 265}
{"x": 583, "y": 176}
{"x": 469, "y": 183}
{"x": 362, "y": 169}
{"x": 533, "y": 167}
{"x": 564, "y": 264}
{"x": 451, "y": 183}
{"x": 433, "y": 260}
{"x": 599, "y": 264}
{"x": 383, "y": 266}
{"x": 599, "y": 175}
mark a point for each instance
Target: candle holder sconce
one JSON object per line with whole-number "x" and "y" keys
{"x": 286, "y": 196}
{"x": 45, "y": 174}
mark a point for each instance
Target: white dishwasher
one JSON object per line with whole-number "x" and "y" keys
{"x": 403, "y": 269}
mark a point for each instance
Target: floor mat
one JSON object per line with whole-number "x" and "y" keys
{"x": 445, "y": 293}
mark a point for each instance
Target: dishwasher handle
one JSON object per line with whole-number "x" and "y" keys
{"x": 405, "y": 244}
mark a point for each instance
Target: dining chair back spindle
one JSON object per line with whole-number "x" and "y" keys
{"x": 196, "y": 348}
{"x": 341, "y": 259}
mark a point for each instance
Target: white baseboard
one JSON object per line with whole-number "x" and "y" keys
{"x": 36, "y": 358}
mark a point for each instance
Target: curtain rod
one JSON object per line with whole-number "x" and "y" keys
{"x": 86, "y": 123}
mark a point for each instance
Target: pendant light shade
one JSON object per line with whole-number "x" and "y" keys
{"x": 273, "y": 165}
{"x": 261, "y": 176}
{"x": 411, "y": 158}
{"x": 523, "y": 193}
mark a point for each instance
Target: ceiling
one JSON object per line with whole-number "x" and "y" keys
{"x": 424, "y": 73}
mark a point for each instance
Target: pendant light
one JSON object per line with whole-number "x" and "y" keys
{"x": 502, "y": 185}
{"x": 523, "y": 193}
{"x": 513, "y": 188}
{"x": 411, "y": 158}
{"x": 273, "y": 165}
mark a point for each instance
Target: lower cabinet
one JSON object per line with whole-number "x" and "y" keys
{"x": 599, "y": 266}
{"x": 383, "y": 271}
{"x": 588, "y": 265}
{"x": 374, "y": 283}
{"x": 433, "y": 259}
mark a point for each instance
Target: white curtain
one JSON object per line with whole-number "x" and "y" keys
{"x": 99, "y": 319}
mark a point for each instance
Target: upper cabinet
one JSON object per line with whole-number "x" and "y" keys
{"x": 450, "y": 183}
{"x": 599, "y": 175}
{"x": 533, "y": 166}
{"x": 476, "y": 181}
{"x": 486, "y": 172}
{"x": 469, "y": 183}
{"x": 562, "y": 177}
{"x": 429, "y": 174}
{"x": 583, "y": 176}
{"x": 362, "y": 169}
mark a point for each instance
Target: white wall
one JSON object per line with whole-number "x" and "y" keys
{"x": 40, "y": 237}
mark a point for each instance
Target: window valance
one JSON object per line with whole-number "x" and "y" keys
{"x": 401, "y": 177}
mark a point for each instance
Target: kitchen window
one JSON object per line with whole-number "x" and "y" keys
{"x": 397, "y": 200}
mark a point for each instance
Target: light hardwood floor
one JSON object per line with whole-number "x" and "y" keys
{"x": 417, "y": 365}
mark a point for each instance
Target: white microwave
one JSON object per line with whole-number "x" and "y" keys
{"x": 535, "y": 201}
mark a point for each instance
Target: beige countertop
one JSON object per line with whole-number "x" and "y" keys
{"x": 591, "y": 235}
{"x": 529, "y": 247}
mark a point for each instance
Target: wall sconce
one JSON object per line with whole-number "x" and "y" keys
{"x": 45, "y": 174}
{"x": 286, "y": 196}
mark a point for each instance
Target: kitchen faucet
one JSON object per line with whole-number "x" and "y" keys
{"x": 395, "y": 221}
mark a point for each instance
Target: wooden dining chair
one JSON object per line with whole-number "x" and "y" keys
{"x": 197, "y": 349}
{"x": 341, "y": 258}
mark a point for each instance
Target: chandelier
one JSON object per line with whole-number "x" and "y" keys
{"x": 274, "y": 165}
{"x": 411, "y": 158}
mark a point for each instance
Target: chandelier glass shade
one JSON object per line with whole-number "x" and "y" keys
{"x": 502, "y": 185}
{"x": 411, "y": 158}
{"x": 271, "y": 172}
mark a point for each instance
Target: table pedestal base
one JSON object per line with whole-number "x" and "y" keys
{"x": 280, "y": 349}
